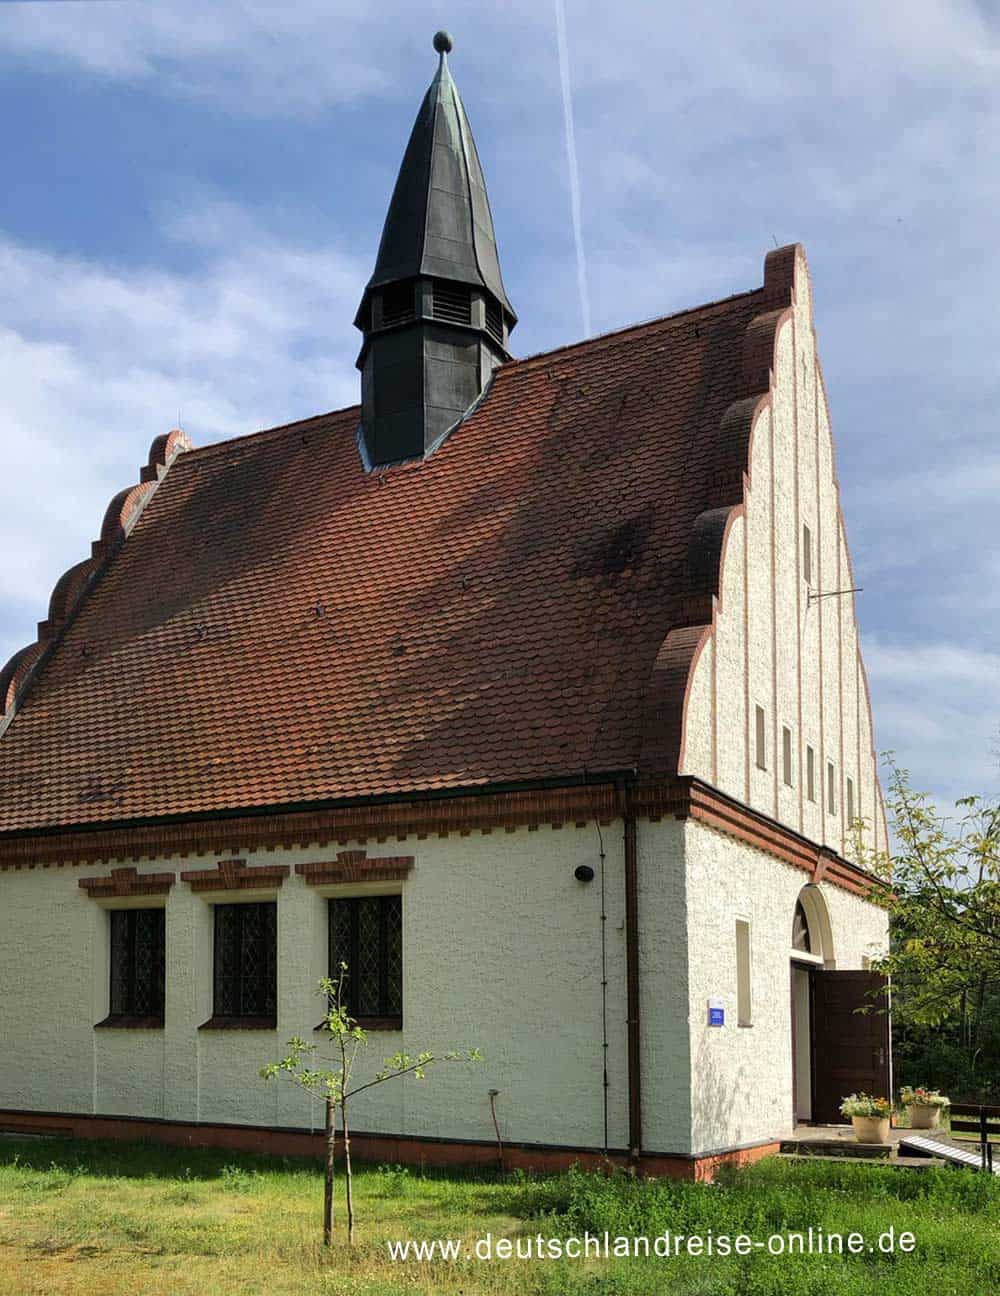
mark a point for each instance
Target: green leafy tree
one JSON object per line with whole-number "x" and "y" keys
{"x": 944, "y": 957}
{"x": 301, "y": 1066}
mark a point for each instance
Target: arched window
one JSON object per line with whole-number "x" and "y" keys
{"x": 800, "y": 930}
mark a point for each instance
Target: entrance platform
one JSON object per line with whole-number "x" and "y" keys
{"x": 914, "y": 1149}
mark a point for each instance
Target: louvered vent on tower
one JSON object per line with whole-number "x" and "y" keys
{"x": 452, "y": 302}
{"x": 494, "y": 319}
{"x": 397, "y": 303}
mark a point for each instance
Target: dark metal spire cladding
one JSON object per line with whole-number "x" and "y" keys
{"x": 435, "y": 313}
{"x": 439, "y": 220}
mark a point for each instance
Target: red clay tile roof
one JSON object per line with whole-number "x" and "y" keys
{"x": 281, "y": 627}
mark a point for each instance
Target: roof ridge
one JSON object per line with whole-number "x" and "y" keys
{"x": 534, "y": 358}
{"x": 631, "y": 328}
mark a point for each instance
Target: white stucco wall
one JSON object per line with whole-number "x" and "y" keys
{"x": 742, "y": 1087}
{"x": 772, "y": 648}
{"x": 501, "y": 952}
{"x": 663, "y": 986}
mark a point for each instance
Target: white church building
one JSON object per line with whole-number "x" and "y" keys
{"x": 528, "y": 687}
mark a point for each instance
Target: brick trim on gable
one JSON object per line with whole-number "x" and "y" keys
{"x": 71, "y": 589}
{"x": 355, "y": 866}
{"x": 125, "y": 882}
{"x": 236, "y": 875}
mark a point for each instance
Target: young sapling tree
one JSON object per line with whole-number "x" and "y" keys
{"x": 302, "y": 1067}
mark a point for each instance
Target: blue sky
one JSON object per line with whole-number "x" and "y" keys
{"x": 193, "y": 196}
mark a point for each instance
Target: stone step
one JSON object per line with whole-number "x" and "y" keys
{"x": 836, "y": 1148}
{"x": 896, "y": 1162}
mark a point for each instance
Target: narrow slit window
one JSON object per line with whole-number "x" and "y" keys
{"x": 786, "y": 755}
{"x": 811, "y": 773}
{"x": 807, "y": 554}
{"x": 744, "y": 1001}
{"x": 850, "y": 801}
{"x": 760, "y": 737}
{"x": 831, "y": 788}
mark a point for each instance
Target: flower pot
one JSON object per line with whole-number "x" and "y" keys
{"x": 923, "y": 1116}
{"x": 871, "y": 1129}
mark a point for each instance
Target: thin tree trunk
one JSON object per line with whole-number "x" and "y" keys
{"x": 331, "y": 1138}
{"x": 347, "y": 1172}
{"x": 977, "y": 1020}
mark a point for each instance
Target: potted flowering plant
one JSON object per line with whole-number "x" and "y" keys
{"x": 923, "y": 1106}
{"x": 869, "y": 1116}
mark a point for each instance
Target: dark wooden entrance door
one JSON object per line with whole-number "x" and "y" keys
{"x": 850, "y": 1049}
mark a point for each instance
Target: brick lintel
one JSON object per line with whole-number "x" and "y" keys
{"x": 236, "y": 875}
{"x": 355, "y": 866}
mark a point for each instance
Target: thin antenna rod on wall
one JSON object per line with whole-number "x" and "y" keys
{"x": 574, "y": 174}
{"x": 815, "y": 598}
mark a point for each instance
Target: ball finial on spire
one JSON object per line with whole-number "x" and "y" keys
{"x": 443, "y": 42}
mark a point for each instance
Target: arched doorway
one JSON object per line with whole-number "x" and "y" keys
{"x": 811, "y": 950}
{"x": 840, "y": 1035}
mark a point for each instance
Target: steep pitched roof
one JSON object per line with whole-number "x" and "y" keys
{"x": 281, "y": 627}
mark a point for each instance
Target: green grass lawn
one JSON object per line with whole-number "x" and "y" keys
{"x": 114, "y": 1218}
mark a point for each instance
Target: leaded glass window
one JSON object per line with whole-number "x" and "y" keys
{"x": 366, "y": 933}
{"x": 246, "y": 959}
{"x": 137, "y": 963}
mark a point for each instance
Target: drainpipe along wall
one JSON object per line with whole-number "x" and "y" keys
{"x": 632, "y": 975}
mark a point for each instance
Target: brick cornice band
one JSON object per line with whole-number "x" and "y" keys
{"x": 653, "y": 798}
{"x": 235, "y": 875}
{"x": 355, "y": 866}
{"x": 125, "y": 882}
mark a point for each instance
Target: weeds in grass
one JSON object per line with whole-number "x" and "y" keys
{"x": 236, "y": 1179}
{"x": 105, "y": 1220}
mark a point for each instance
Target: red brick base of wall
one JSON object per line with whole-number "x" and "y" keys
{"x": 383, "y": 1148}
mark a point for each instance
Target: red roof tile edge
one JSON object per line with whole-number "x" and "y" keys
{"x": 73, "y": 586}
{"x": 667, "y": 694}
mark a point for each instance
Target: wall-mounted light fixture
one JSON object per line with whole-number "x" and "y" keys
{"x": 583, "y": 873}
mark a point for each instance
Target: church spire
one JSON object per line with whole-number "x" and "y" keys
{"x": 435, "y": 314}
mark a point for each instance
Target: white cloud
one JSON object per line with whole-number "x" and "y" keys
{"x": 96, "y": 361}
{"x": 257, "y": 58}
{"x": 250, "y": 55}
{"x": 937, "y": 706}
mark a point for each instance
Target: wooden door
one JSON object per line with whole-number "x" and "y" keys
{"x": 851, "y": 1050}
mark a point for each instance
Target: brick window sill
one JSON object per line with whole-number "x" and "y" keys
{"x": 240, "y": 1023}
{"x": 373, "y": 1024}
{"x": 130, "y": 1023}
